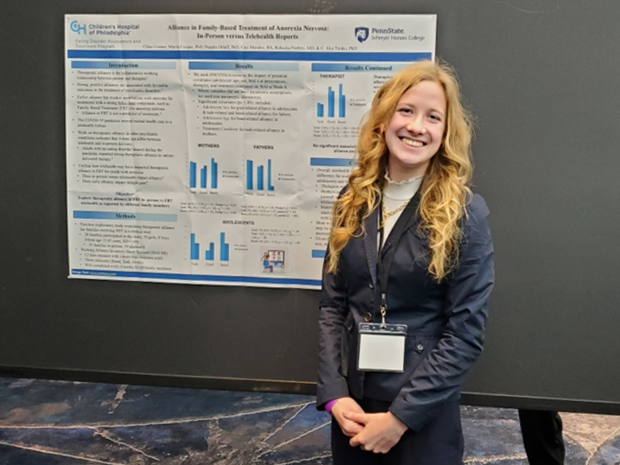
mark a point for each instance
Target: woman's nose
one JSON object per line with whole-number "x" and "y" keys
{"x": 416, "y": 126}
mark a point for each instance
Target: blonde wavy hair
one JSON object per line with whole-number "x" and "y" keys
{"x": 444, "y": 192}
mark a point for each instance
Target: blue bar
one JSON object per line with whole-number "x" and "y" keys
{"x": 318, "y": 254}
{"x": 197, "y": 277}
{"x": 243, "y": 56}
{"x": 203, "y": 177}
{"x": 117, "y": 65}
{"x": 363, "y": 67}
{"x": 86, "y": 215}
{"x": 320, "y": 110}
{"x": 192, "y": 175}
{"x": 210, "y": 254}
{"x": 330, "y": 102}
{"x": 332, "y": 162}
{"x": 259, "y": 175}
{"x": 242, "y": 66}
{"x": 269, "y": 185}
{"x": 213, "y": 174}
{"x": 223, "y": 248}
{"x": 249, "y": 168}
{"x": 192, "y": 246}
{"x": 340, "y": 102}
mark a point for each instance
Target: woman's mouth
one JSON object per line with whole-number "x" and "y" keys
{"x": 412, "y": 143}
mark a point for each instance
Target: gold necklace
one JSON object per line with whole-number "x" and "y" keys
{"x": 387, "y": 214}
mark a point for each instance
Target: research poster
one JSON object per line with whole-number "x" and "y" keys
{"x": 208, "y": 149}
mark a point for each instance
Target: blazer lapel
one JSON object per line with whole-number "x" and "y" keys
{"x": 413, "y": 219}
{"x": 370, "y": 243}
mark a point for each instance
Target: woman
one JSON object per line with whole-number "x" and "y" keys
{"x": 409, "y": 264}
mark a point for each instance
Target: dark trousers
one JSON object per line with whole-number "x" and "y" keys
{"x": 542, "y": 437}
{"x": 440, "y": 442}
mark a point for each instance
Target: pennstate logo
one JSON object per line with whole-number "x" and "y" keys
{"x": 361, "y": 34}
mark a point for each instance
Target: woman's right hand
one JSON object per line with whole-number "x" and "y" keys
{"x": 348, "y": 427}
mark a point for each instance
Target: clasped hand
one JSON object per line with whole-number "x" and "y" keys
{"x": 374, "y": 432}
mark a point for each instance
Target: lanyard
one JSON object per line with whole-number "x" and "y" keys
{"x": 384, "y": 261}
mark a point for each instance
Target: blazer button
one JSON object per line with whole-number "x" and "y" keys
{"x": 370, "y": 286}
{"x": 368, "y": 317}
{"x": 419, "y": 347}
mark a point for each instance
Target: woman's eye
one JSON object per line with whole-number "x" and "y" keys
{"x": 435, "y": 117}
{"x": 405, "y": 110}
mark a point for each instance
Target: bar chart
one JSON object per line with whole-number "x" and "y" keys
{"x": 209, "y": 254}
{"x": 193, "y": 172}
{"x": 331, "y": 104}
{"x": 260, "y": 184}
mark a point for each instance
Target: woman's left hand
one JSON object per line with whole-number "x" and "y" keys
{"x": 381, "y": 431}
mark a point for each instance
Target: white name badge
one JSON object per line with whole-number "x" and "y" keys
{"x": 381, "y": 347}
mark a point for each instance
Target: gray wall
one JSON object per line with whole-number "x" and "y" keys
{"x": 542, "y": 77}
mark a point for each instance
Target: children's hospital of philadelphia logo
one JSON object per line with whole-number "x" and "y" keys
{"x": 361, "y": 34}
{"x": 77, "y": 27}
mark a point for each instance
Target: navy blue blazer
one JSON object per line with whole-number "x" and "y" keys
{"x": 445, "y": 320}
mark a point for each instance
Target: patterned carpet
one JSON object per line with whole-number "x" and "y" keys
{"x": 69, "y": 423}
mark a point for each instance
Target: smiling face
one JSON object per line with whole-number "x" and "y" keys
{"x": 415, "y": 132}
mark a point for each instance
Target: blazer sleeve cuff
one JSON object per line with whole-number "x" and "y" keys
{"x": 334, "y": 391}
{"x": 414, "y": 418}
